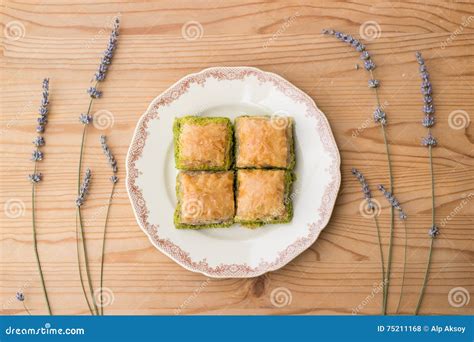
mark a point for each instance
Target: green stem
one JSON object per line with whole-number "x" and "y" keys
{"x": 80, "y": 271}
{"x": 392, "y": 223}
{"x": 404, "y": 266}
{"x": 428, "y": 264}
{"x": 381, "y": 261}
{"x": 35, "y": 244}
{"x": 84, "y": 248}
{"x": 103, "y": 246}
{"x": 26, "y": 309}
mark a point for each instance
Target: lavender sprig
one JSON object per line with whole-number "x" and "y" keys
{"x": 368, "y": 197}
{"x": 379, "y": 118}
{"x": 430, "y": 142}
{"x": 36, "y": 177}
{"x": 393, "y": 202}
{"x": 86, "y": 119}
{"x": 108, "y": 153}
{"x": 114, "y": 179}
{"x": 84, "y": 190}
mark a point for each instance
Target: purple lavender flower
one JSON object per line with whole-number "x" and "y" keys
{"x": 379, "y": 116}
{"x": 37, "y": 155}
{"x": 84, "y": 188}
{"x": 365, "y": 187}
{"x": 373, "y": 83}
{"x": 94, "y": 92}
{"x": 433, "y": 231}
{"x": 20, "y": 296}
{"x": 108, "y": 153}
{"x": 393, "y": 202}
{"x": 85, "y": 119}
{"x": 35, "y": 177}
{"x": 428, "y": 109}
{"x": 428, "y": 121}
{"x": 114, "y": 179}
{"x": 369, "y": 65}
{"x": 108, "y": 53}
{"x": 39, "y": 141}
{"x": 429, "y": 141}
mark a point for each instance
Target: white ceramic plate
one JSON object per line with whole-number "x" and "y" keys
{"x": 235, "y": 251}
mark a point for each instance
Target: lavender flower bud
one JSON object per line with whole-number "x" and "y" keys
{"x": 94, "y": 92}
{"x": 428, "y": 121}
{"x": 365, "y": 187}
{"x": 35, "y": 177}
{"x": 393, "y": 201}
{"x": 20, "y": 296}
{"x": 379, "y": 116}
{"x": 84, "y": 188}
{"x": 373, "y": 83}
{"x": 108, "y": 53}
{"x": 114, "y": 179}
{"x": 108, "y": 153}
{"x": 37, "y": 155}
{"x": 428, "y": 109}
{"x": 364, "y": 55}
{"x": 39, "y": 141}
{"x": 429, "y": 141}
{"x": 433, "y": 232}
{"x": 40, "y": 129}
{"x": 369, "y": 65}
{"x": 85, "y": 119}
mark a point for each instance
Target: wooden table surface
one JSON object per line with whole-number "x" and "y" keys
{"x": 64, "y": 40}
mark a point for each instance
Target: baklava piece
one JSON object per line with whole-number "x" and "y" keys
{"x": 264, "y": 142}
{"x": 205, "y": 199}
{"x": 263, "y": 196}
{"x": 203, "y": 143}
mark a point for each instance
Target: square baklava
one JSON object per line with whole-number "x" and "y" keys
{"x": 263, "y": 196}
{"x": 203, "y": 143}
{"x": 264, "y": 142}
{"x": 205, "y": 199}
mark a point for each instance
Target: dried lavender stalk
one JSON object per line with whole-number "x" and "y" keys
{"x": 368, "y": 197}
{"x": 86, "y": 119}
{"x": 380, "y": 118}
{"x": 114, "y": 179}
{"x": 36, "y": 177}
{"x": 430, "y": 142}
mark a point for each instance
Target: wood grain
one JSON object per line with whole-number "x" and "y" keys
{"x": 63, "y": 40}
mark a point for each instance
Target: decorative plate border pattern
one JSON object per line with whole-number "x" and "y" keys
{"x": 174, "y": 251}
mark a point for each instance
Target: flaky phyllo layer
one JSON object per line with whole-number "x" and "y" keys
{"x": 205, "y": 199}
{"x": 203, "y": 143}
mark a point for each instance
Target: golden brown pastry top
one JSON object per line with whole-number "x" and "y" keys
{"x": 206, "y": 197}
{"x": 203, "y": 144}
{"x": 260, "y": 194}
{"x": 262, "y": 142}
